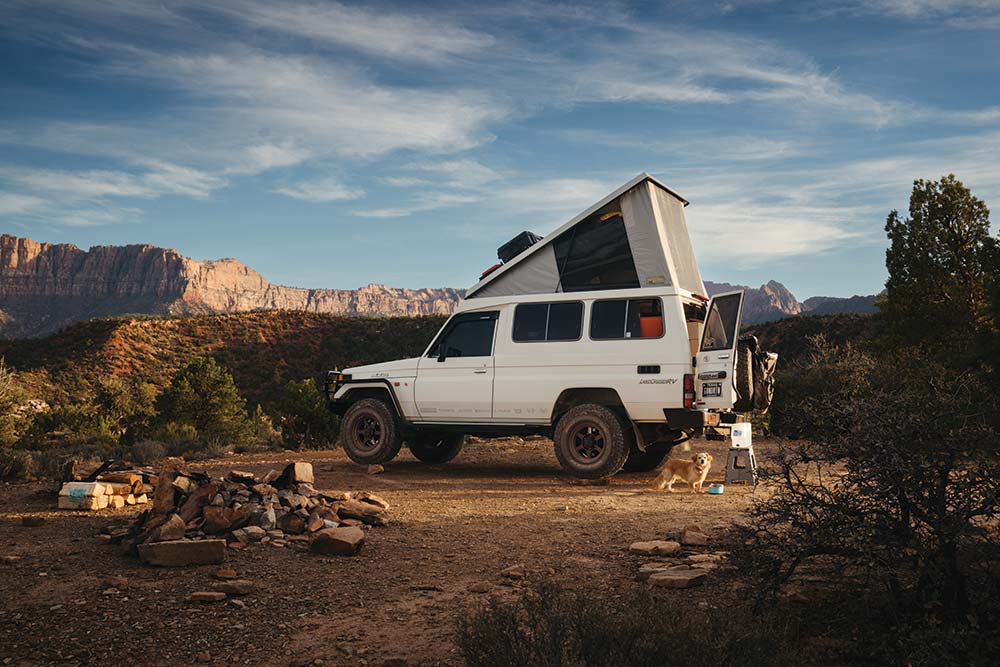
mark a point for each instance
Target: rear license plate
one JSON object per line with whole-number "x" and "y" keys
{"x": 711, "y": 389}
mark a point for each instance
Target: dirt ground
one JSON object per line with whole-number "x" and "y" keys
{"x": 501, "y": 503}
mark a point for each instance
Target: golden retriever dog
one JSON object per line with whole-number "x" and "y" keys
{"x": 693, "y": 472}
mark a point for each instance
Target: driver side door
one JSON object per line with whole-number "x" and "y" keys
{"x": 455, "y": 378}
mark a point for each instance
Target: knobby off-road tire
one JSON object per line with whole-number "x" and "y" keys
{"x": 370, "y": 432}
{"x": 591, "y": 442}
{"x": 648, "y": 460}
{"x": 436, "y": 447}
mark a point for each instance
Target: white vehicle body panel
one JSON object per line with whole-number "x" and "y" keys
{"x": 521, "y": 382}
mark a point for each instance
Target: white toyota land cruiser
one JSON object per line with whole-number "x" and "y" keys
{"x": 598, "y": 336}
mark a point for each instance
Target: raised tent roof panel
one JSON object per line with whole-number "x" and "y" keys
{"x": 634, "y": 237}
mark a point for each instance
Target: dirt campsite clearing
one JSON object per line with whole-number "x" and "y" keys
{"x": 68, "y": 598}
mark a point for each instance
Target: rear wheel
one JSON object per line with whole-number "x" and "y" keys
{"x": 648, "y": 460}
{"x": 591, "y": 442}
{"x": 436, "y": 447}
{"x": 370, "y": 432}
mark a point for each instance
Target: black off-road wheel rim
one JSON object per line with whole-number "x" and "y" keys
{"x": 368, "y": 433}
{"x": 587, "y": 443}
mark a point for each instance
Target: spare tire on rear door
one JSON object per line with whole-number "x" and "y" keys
{"x": 745, "y": 349}
{"x": 754, "y": 375}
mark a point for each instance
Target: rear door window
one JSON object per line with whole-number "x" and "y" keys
{"x": 720, "y": 324}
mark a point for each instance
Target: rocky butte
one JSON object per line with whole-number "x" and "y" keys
{"x": 44, "y": 287}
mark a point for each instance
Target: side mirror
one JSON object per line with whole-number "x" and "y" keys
{"x": 442, "y": 351}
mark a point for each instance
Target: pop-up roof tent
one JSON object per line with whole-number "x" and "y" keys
{"x": 634, "y": 237}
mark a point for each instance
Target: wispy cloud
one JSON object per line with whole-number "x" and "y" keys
{"x": 320, "y": 190}
{"x": 423, "y": 37}
{"x": 264, "y": 157}
{"x": 12, "y": 202}
{"x": 154, "y": 179}
{"x": 428, "y": 201}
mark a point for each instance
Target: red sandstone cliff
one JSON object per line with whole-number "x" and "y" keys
{"x": 44, "y": 287}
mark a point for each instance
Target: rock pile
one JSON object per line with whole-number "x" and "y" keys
{"x": 195, "y": 518}
{"x": 680, "y": 570}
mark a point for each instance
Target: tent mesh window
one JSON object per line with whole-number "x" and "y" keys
{"x": 595, "y": 254}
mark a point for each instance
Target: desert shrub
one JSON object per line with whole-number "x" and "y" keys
{"x": 896, "y": 495}
{"x": 264, "y": 436}
{"x": 14, "y": 418}
{"x": 147, "y": 452}
{"x": 124, "y": 408}
{"x": 305, "y": 420}
{"x": 17, "y": 464}
{"x": 202, "y": 408}
{"x": 547, "y": 627}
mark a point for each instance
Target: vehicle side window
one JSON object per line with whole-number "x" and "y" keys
{"x": 626, "y": 318}
{"x": 530, "y": 320}
{"x": 468, "y": 336}
{"x": 472, "y": 338}
{"x": 548, "y": 322}
{"x": 565, "y": 321}
{"x": 720, "y": 324}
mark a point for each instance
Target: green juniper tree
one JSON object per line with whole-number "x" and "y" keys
{"x": 939, "y": 267}
{"x": 203, "y": 402}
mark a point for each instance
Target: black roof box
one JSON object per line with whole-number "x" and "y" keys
{"x": 517, "y": 245}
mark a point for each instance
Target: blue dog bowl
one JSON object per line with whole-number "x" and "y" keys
{"x": 716, "y": 489}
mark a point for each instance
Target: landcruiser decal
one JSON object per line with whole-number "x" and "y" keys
{"x": 659, "y": 381}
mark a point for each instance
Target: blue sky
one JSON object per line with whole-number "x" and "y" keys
{"x": 331, "y": 144}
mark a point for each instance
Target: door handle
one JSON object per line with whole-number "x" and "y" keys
{"x": 479, "y": 371}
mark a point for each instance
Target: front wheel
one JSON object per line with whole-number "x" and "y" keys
{"x": 436, "y": 447}
{"x": 370, "y": 432}
{"x": 591, "y": 442}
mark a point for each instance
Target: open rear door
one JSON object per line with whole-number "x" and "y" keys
{"x": 715, "y": 381}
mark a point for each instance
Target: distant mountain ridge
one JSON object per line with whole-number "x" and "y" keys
{"x": 773, "y": 301}
{"x": 45, "y": 287}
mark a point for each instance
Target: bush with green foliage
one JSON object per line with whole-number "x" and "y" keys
{"x": 125, "y": 409}
{"x": 305, "y": 420}
{"x": 940, "y": 260}
{"x": 202, "y": 407}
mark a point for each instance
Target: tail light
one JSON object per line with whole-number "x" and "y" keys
{"x": 688, "y": 391}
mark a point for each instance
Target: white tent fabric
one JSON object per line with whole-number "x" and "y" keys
{"x": 657, "y": 237}
{"x": 537, "y": 274}
{"x": 670, "y": 219}
{"x": 644, "y": 236}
